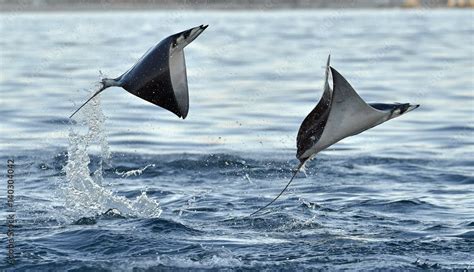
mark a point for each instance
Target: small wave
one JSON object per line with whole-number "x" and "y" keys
{"x": 436, "y": 228}
{"x": 309, "y": 205}
{"x": 260, "y": 222}
{"x": 455, "y": 178}
{"x": 108, "y": 215}
{"x": 197, "y": 209}
{"x": 426, "y": 264}
{"x": 220, "y": 261}
{"x": 298, "y": 225}
{"x": 408, "y": 202}
{"x": 466, "y": 129}
{"x": 168, "y": 226}
{"x": 85, "y": 221}
{"x": 57, "y": 121}
{"x": 211, "y": 161}
{"x": 112, "y": 214}
{"x": 403, "y": 205}
{"x": 232, "y": 166}
{"x": 378, "y": 160}
{"x": 468, "y": 235}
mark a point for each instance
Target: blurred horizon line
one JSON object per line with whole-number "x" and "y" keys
{"x": 83, "y": 5}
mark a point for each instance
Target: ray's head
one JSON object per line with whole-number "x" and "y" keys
{"x": 401, "y": 109}
{"x": 182, "y": 39}
{"x": 396, "y": 109}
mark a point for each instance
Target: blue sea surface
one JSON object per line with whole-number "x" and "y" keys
{"x": 129, "y": 186}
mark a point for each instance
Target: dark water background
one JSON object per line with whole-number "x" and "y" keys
{"x": 399, "y": 196}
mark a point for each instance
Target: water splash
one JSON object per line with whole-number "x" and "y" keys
{"x": 83, "y": 193}
{"x": 135, "y": 172}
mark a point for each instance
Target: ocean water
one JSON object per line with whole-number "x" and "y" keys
{"x": 129, "y": 186}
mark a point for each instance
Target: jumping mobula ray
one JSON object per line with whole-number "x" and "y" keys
{"x": 340, "y": 113}
{"x": 159, "y": 77}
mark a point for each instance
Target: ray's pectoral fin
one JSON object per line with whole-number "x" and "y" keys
{"x": 160, "y": 76}
{"x": 179, "y": 82}
{"x": 312, "y": 127}
{"x": 345, "y": 98}
{"x": 168, "y": 86}
{"x": 349, "y": 114}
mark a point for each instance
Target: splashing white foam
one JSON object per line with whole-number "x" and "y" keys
{"x": 83, "y": 193}
{"x": 135, "y": 172}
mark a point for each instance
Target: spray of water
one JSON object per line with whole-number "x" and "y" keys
{"x": 135, "y": 172}
{"x": 83, "y": 193}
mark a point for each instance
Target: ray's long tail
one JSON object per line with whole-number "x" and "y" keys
{"x": 297, "y": 170}
{"x": 103, "y": 87}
